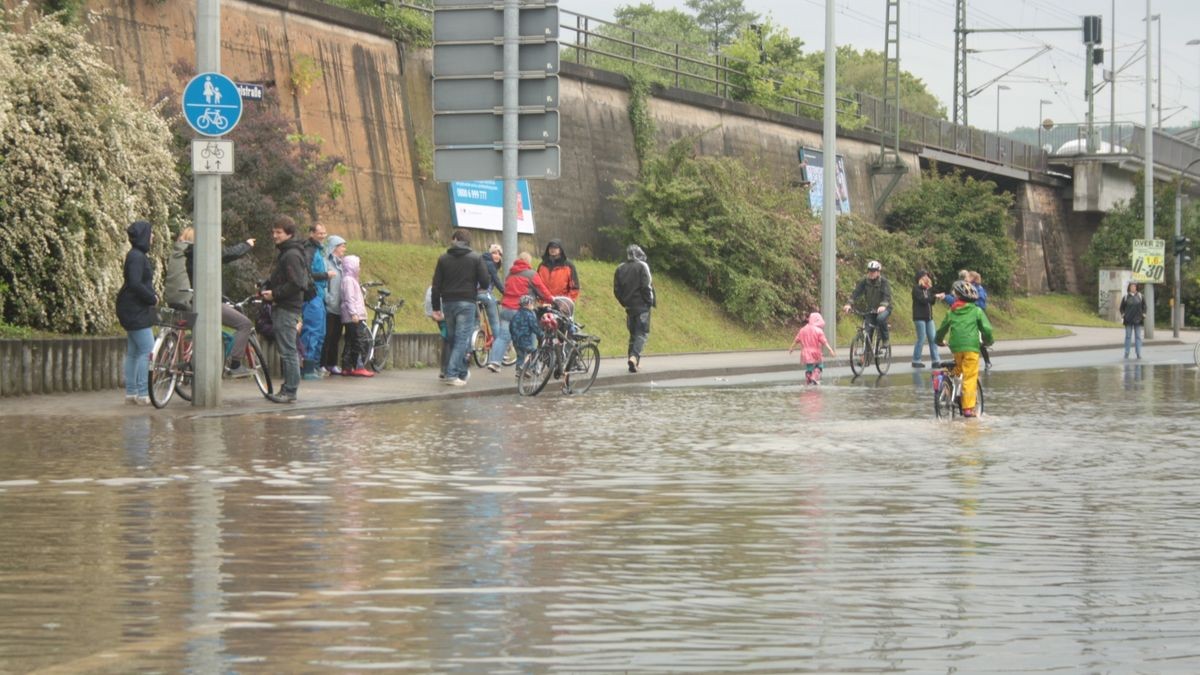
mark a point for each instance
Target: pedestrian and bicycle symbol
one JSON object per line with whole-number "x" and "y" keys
{"x": 212, "y": 104}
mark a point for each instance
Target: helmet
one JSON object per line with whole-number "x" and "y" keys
{"x": 965, "y": 290}
{"x": 549, "y": 321}
{"x": 874, "y": 266}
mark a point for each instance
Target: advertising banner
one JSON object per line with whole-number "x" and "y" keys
{"x": 479, "y": 204}
{"x": 812, "y": 165}
{"x": 1148, "y": 254}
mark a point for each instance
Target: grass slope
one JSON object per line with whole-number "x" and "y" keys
{"x": 684, "y": 321}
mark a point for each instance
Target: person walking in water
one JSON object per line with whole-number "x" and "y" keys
{"x": 812, "y": 341}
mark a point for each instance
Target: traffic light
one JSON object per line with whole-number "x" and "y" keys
{"x": 1091, "y": 30}
{"x": 1183, "y": 249}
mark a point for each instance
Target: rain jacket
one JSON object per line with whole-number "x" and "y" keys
{"x": 136, "y": 299}
{"x": 559, "y": 274}
{"x": 333, "y": 294}
{"x": 522, "y": 280}
{"x": 875, "y": 294}
{"x": 525, "y": 330}
{"x": 290, "y": 276}
{"x": 965, "y": 322}
{"x": 459, "y": 272}
{"x": 632, "y": 283}
{"x": 1133, "y": 309}
{"x": 812, "y": 339}
{"x": 354, "y": 306}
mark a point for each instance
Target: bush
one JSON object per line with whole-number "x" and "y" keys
{"x": 80, "y": 158}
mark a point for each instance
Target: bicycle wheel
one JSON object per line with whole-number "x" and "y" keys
{"x": 859, "y": 354}
{"x": 162, "y": 370}
{"x": 479, "y": 347}
{"x": 1196, "y": 354}
{"x": 381, "y": 345}
{"x": 258, "y": 367}
{"x": 944, "y": 406}
{"x": 537, "y": 371}
{"x": 582, "y": 373}
{"x": 883, "y": 358}
{"x": 183, "y": 384}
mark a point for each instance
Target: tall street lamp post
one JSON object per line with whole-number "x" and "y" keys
{"x": 1193, "y": 43}
{"x": 1041, "y": 119}
{"x": 999, "y": 88}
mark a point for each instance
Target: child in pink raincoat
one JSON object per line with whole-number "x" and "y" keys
{"x": 812, "y": 341}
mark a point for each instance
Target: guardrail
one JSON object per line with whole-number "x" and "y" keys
{"x": 75, "y": 364}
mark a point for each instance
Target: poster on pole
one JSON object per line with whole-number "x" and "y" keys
{"x": 1147, "y": 260}
{"x": 813, "y": 169}
{"x": 479, "y": 204}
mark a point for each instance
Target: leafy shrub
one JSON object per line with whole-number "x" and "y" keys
{"x": 80, "y": 158}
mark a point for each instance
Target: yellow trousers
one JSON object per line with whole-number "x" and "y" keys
{"x": 967, "y": 365}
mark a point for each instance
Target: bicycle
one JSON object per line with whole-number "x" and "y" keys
{"x": 864, "y": 349}
{"x": 1196, "y": 354}
{"x": 564, "y": 353}
{"x": 383, "y": 324}
{"x": 483, "y": 338}
{"x": 947, "y": 392}
{"x": 171, "y": 359}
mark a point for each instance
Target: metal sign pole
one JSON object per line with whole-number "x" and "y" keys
{"x": 1148, "y": 185}
{"x": 829, "y": 180}
{"x": 206, "y": 357}
{"x": 511, "y": 133}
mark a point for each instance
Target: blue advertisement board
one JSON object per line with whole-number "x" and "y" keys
{"x": 812, "y": 165}
{"x": 479, "y": 204}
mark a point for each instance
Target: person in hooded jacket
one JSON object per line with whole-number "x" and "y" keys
{"x": 354, "y": 318}
{"x": 312, "y": 332}
{"x": 285, "y": 291}
{"x": 521, "y": 281}
{"x": 634, "y": 287}
{"x": 812, "y": 341}
{"x": 558, "y": 273}
{"x": 968, "y": 329}
{"x": 923, "y": 299}
{"x": 1133, "y": 315}
{"x": 459, "y": 273}
{"x": 135, "y": 311}
{"x": 335, "y": 251}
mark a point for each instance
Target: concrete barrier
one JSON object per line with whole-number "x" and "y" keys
{"x": 71, "y": 364}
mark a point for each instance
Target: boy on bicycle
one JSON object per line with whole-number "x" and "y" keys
{"x": 969, "y": 328}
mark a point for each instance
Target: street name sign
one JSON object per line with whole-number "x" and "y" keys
{"x": 212, "y": 157}
{"x": 212, "y": 104}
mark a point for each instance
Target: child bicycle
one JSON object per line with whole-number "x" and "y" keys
{"x": 483, "y": 338}
{"x": 383, "y": 324}
{"x": 947, "y": 392}
{"x": 865, "y": 348}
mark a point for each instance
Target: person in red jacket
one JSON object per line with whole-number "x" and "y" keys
{"x": 558, "y": 273}
{"x": 521, "y": 280}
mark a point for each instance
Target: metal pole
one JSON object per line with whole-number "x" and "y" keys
{"x": 829, "y": 182}
{"x": 999, "y": 88}
{"x": 1177, "y": 313}
{"x": 1158, "y": 82}
{"x": 1148, "y": 185}
{"x": 1091, "y": 100}
{"x": 208, "y": 350}
{"x": 1112, "y": 83}
{"x": 512, "y": 79}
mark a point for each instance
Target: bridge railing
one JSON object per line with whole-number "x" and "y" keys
{"x": 1128, "y": 139}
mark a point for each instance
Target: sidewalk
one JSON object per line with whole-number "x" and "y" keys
{"x": 241, "y": 397}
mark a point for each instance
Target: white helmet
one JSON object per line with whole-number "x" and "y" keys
{"x": 874, "y": 266}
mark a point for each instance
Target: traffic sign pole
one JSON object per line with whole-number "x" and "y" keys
{"x": 512, "y": 78}
{"x": 209, "y": 350}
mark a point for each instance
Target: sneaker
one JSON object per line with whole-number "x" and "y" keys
{"x": 494, "y": 367}
{"x": 335, "y": 371}
{"x": 987, "y": 366}
{"x": 306, "y": 376}
{"x": 632, "y": 365}
{"x": 918, "y": 364}
{"x": 131, "y": 399}
{"x": 362, "y": 372}
{"x": 456, "y": 382}
{"x": 142, "y": 400}
{"x": 240, "y": 371}
{"x": 282, "y": 398}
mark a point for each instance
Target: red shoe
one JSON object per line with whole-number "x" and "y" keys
{"x": 362, "y": 372}
{"x": 969, "y": 412}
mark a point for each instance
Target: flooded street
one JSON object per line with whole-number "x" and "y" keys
{"x": 724, "y": 527}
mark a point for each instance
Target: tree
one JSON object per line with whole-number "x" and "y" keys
{"x": 862, "y": 72}
{"x": 965, "y": 223}
{"x": 721, "y": 19}
{"x": 80, "y": 158}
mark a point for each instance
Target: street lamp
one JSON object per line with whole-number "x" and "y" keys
{"x": 1192, "y": 43}
{"x": 1041, "y": 104}
{"x": 1158, "y": 18}
{"x": 999, "y": 88}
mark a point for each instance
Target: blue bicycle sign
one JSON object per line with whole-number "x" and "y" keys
{"x": 212, "y": 104}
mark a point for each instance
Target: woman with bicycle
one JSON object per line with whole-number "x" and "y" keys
{"x": 135, "y": 311}
{"x": 492, "y": 262}
{"x": 969, "y": 329}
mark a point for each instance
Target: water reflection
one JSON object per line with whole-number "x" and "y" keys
{"x": 723, "y": 528}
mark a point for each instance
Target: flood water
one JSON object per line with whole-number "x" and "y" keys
{"x": 761, "y": 527}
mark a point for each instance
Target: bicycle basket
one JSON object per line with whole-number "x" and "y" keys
{"x": 174, "y": 318}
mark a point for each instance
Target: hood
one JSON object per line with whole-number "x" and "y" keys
{"x": 350, "y": 266}
{"x": 635, "y": 253}
{"x": 139, "y": 235}
{"x": 332, "y": 242}
{"x": 959, "y": 303}
{"x": 458, "y": 249}
{"x": 920, "y": 273}
{"x": 553, "y": 262}
{"x": 180, "y": 246}
{"x": 289, "y": 243}
{"x": 518, "y": 266}
{"x": 816, "y": 320}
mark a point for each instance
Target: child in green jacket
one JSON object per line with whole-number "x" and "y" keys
{"x": 968, "y": 327}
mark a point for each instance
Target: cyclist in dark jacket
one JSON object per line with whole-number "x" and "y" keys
{"x": 135, "y": 311}
{"x": 874, "y": 294}
{"x": 634, "y": 287}
{"x": 285, "y": 290}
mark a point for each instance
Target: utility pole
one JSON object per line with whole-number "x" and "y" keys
{"x": 960, "y": 63}
{"x": 829, "y": 179}
{"x": 1148, "y": 185}
{"x": 1112, "y": 79}
{"x": 209, "y": 350}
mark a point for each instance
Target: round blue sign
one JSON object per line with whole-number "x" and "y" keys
{"x": 212, "y": 104}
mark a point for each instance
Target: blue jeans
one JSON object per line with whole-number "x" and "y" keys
{"x": 638, "y": 324}
{"x": 925, "y": 332}
{"x": 1133, "y": 331}
{"x": 460, "y": 323}
{"x": 489, "y": 307}
{"x": 285, "y": 321}
{"x": 503, "y": 336}
{"x": 138, "y": 345}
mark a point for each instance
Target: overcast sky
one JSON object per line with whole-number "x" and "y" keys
{"x": 927, "y": 50}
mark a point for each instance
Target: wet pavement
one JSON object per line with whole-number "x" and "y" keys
{"x": 728, "y": 519}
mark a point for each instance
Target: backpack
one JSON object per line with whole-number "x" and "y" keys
{"x": 264, "y": 323}
{"x": 310, "y": 289}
